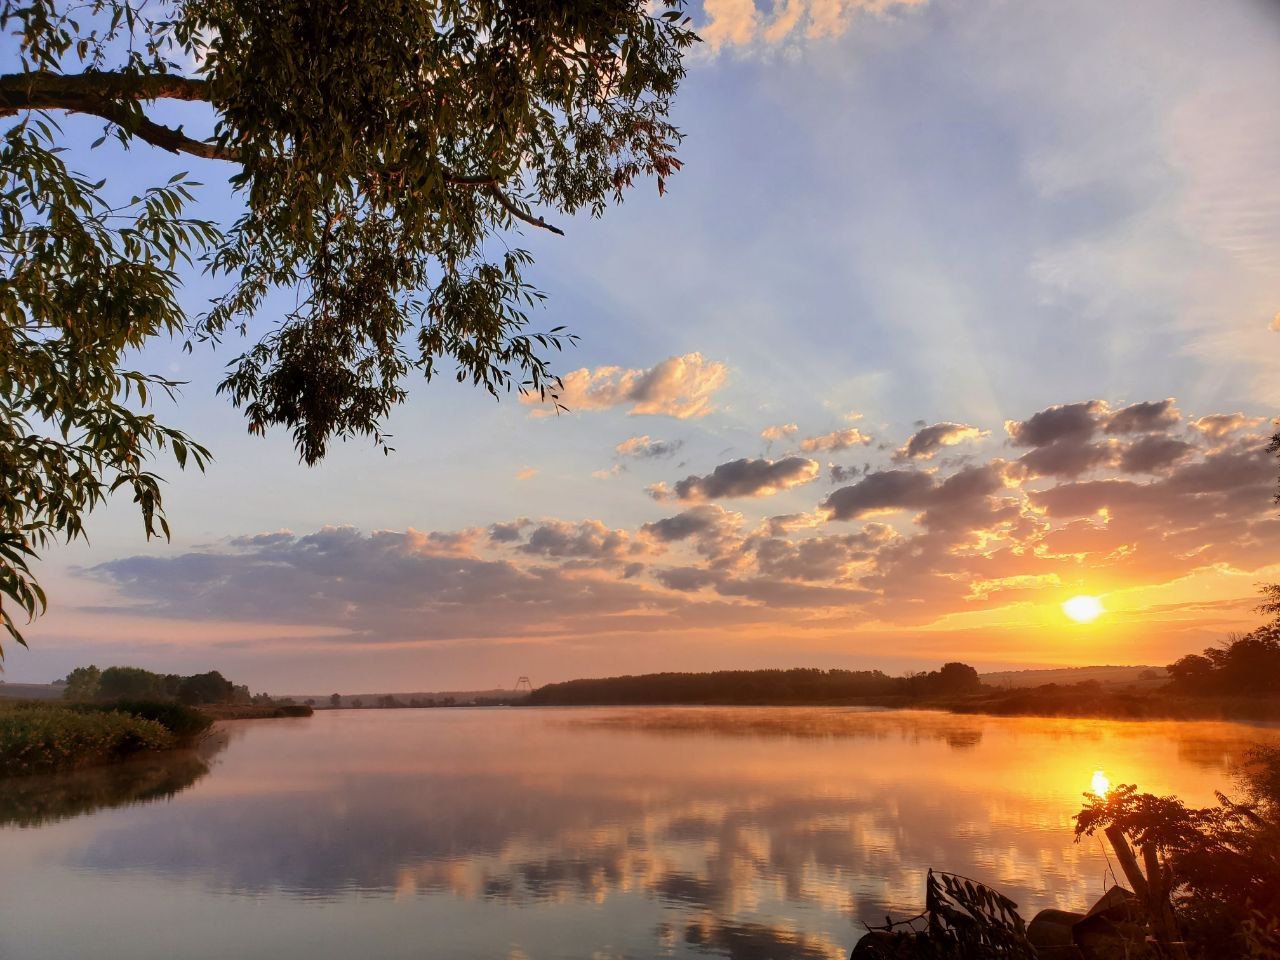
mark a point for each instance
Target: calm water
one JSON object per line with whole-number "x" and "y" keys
{"x": 588, "y": 834}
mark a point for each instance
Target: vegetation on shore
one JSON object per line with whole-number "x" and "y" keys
{"x": 42, "y": 737}
{"x": 1203, "y": 884}
{"x": 1211, "y": 877}
{"x": 116, "y": 714}
{"x": 752, "y": 687}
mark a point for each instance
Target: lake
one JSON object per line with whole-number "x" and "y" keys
{"x": 590, "y": 834}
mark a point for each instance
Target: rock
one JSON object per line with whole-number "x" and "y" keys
{"x": 1050, "y": 932}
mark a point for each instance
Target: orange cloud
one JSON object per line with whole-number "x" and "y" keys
{"x": 679, "y": 387}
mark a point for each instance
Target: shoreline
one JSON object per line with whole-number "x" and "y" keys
{"x": 1027, "y": 702}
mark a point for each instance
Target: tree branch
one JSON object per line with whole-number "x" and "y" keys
{"x": 166, "y": 138}
{"x": 512, "y": 208}
{"x": 115, "y": 97}
{"x": 40, "y": 90}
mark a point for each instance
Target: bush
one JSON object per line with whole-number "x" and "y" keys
{"x": 185, "y": 723}
{"x": 35, "y": 738}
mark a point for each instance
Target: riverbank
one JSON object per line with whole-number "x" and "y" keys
{"x": 45, "y": 737}
{"x": 40, "y": 737}
{"x": 1085, "y": 701}
{"x": 1091, "y": 702}
{"x": 274, "y": 711}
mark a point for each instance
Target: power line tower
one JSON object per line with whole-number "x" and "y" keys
{"x": 523, "y": 685}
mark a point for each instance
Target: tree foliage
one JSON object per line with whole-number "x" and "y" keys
{"x": 83, "y": 683}
{"x": 384, "y": 152}
{"x": 1245, "y": 665}
{"x": 1222, "y": 863}
{"x": 798, "y": 685}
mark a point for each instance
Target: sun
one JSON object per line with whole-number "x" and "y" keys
{"x": 1084, "y": 609}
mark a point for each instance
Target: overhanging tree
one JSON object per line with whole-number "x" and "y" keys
{"x": 384, "y": 150}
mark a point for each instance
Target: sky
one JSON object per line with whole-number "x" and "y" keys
{"x": 958, "y": 309}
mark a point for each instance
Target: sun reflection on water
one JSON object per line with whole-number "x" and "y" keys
{"x": 1099, "y": 783}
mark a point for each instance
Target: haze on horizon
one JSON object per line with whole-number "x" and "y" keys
{"x": 957, "y": 311}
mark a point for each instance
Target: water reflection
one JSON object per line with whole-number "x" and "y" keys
{"x": 578, "y": 833}
{"x": 35, "y": 800}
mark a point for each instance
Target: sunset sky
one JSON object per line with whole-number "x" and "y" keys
{"x": 958, "y": 309}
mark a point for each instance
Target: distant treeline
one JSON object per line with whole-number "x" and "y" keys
{"x": 91, "y": 685}
{"x": 745, "y": 687}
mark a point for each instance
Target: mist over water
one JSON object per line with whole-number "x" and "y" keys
{"x": 589, "y": 833}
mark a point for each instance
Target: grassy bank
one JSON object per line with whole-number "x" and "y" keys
{"x": 1090, "y": 701}
{"x": 43, "y": 737}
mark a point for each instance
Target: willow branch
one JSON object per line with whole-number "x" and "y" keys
{"x": 41, "y": 90}
{"x": 116, "y": 97}
{"x": 513, "y": 208}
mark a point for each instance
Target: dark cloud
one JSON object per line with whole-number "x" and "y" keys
{"x": 589, "y": 539}
{"x": 1147, "y": 417}
{"x": 817, "y": 558}
{"x": 1067, "y": 421}
{"x": 926, "y": 442}
{"x": 883, "y": 490}
{"x": 1153, "y": 454}
{"x": 687, "y": 579}
{"x": 509, "y": 531}
{"x": 1069, "y": 457}
{"x": 841, "y": 474}
{"x": 747, "y": 478}
{"x": 700, "y": 521}
{"x": 967, "y": 500}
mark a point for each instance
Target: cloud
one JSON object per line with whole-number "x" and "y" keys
{"x": 645, "y": 448}
{"x": 840, "y": 474}
{"x": 882, "y": 491}
{"x": 383, "y": 587}
{"x": 1146, "y": 417}
{"x": 742, "y": 25}
{"x": 526, "y": 473}
{"x": 1219, "y": 425}
{"x": 509, "y": 531}
{"x": 781, "y": 431}
{"x": 1145, "y": 506}
{"x": 1153, "y": 454}
{"x": 1067, "y": 421}
{"x": 687, "y": 579}
{"x": 589, "y": 539}
{"x": 924, "y": 443}
{"x": 818, "y": 558}
{"x": 1068, "y": 457}
{"x": 702, "y": 521}
{"x": 679, "y": 387}
{"x": 836, "y": 440}
{"x": 748, "y": 478}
